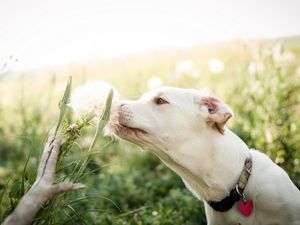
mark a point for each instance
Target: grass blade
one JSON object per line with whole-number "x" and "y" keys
{"x": 63, "y": 104}
{"x": 23, "y": 175}
{"x": 101, "y": 123}
{"x": 76, "y": 214}
{"x": 104, "y": 118}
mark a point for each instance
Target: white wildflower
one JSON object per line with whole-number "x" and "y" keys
{"x": 89, "y": 99}
{"x": 154, "y": 82}
{"x": 216, "y": 66}
{"x": 154, "y": 213}
{"x": 186, "y": 68}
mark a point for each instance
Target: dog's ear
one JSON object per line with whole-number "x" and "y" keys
{"x": 217, "y": 112}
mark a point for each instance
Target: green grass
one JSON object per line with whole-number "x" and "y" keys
{"x": 124, "y": 184}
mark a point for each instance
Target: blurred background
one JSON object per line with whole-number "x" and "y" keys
{"x": 245, "y": 52}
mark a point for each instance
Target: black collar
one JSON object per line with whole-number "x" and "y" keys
{"x": 236, "y": 193}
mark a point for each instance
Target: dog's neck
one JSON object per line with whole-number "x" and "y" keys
{"x": 211, "y": 170}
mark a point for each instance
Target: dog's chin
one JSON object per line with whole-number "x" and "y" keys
{"x": 138, "y": 136}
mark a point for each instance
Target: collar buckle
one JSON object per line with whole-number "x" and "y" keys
{"x": 241, "y": 193}
{"x": 238, "y": 192}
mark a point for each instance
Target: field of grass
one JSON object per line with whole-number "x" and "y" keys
{"x": 125, "y": 185}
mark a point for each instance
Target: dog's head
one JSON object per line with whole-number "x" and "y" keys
{"x": 162, "y": 118}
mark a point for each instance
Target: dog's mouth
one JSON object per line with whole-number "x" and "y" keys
{"x": 120, "y": 126}
{"x": 125, "y": 130}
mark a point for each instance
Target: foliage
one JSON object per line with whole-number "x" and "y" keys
{"x": 124, "y": 185}
{"x": 267, "y": 108}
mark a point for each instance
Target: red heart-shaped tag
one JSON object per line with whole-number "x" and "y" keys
{"x": 246, "y": 208}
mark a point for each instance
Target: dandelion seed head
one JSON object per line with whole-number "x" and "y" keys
{"x": 154, "y": 82}
{"x": 89, "y": 99}
{"x": 216, "y": 66}
{"x": 184, "y": 66}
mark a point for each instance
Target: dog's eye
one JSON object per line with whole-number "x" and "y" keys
{"x": 160, "y": 101}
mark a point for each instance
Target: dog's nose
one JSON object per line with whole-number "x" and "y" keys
{"x": 124, "y": 103}
{"x": 123, "y": 106}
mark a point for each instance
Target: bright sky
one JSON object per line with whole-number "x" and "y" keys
{"x": 43, "y": 33}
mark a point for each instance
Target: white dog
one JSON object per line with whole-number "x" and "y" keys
{"x": 186, "y": 130}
